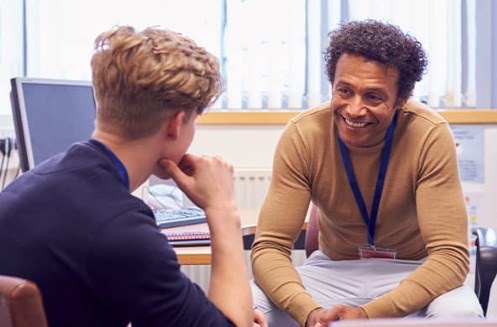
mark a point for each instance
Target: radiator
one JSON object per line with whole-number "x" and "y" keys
{"x": 251, "y": 185}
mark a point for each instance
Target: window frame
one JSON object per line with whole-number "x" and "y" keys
{"x": 239, "y": 117}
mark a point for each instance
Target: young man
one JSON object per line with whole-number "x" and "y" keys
{"x": 72, "y": 226}
{"x": 383, "y": 172}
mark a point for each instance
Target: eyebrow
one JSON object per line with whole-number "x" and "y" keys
{"x": 376, "y": 89}
{"x": 372, "y": 89}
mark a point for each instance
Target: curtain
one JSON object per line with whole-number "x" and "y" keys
{"x": 441, "y": 26}
{"x": 11, "y": 51}
{"x": 271, "y": 51}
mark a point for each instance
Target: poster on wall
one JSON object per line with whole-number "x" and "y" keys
{"x": 474, "y": 205}
{"x": 470, "y": 152}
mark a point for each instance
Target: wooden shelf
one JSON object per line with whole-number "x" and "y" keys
{"x": 459, "y": 116}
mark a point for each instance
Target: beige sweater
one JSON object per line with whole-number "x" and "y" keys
{"x": 422, "y": 211}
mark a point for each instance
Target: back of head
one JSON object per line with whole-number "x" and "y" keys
{"x": 140, "y": 79}
{"x": 380, "y": 42}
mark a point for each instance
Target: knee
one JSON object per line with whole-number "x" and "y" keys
{"x": 274, "y": 316}
{"x": 260, "y": 299}
{"x": 461, "y": 303}
{"x": 460, "y": 312}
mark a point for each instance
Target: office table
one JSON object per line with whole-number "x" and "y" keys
{"x": 192, "y": 255}
{"x": 201, "y": 255}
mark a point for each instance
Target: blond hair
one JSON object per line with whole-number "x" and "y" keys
{"x": 140, "y": 79}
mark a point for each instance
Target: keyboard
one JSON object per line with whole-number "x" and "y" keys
{"x": 167, "y": 218}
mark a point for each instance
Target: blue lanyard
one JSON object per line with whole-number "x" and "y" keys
{"x": 123, "y": 173}
{"x": 385, "y": 155}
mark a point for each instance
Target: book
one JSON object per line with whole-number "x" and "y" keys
{"x": 188, "y": 238}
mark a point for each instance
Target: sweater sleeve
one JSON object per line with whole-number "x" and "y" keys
{"x": 280, "y": 222}
{"x": 135, "y": 272}
{"x": 442, "y": 220}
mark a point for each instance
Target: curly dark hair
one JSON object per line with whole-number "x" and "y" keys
{"x": 381, "y": 42}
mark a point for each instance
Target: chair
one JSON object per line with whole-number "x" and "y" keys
{"x": 486, "y": 255}
{"x": 20, "y": 303}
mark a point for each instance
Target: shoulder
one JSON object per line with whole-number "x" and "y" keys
{"x": 78, "y": 155}
{"x": 414, "y": 110}
{"x": 316, "y": 122}
{"x": 419, "y": 121}
{"x": 314, "y": 116}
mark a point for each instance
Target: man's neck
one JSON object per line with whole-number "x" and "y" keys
{"x": 135, "y": 156}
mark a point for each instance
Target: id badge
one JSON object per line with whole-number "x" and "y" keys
{"x": 372, "y": 252}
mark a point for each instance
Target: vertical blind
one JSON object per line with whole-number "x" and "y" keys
{"x": 271, "y": 51}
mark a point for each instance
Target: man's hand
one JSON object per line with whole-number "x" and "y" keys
{"x": 207, "y": 181}
{"x": 321, "y": 317}
{"x": 259, "y": 319}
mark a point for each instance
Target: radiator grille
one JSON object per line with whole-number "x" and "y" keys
{"x": 251, "y": 186}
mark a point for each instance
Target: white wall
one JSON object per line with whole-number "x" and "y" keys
{"x": 243, "y": 146}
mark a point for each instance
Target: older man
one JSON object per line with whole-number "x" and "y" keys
{"x": 382, "y": 171}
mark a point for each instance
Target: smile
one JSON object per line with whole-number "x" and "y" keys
{"x": 355, "y": 124}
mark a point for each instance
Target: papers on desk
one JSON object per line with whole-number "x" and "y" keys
{"x": 188, "y": 237}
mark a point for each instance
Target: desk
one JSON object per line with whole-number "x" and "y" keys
{"x": 192, "y": 255}
{"x": 201, "y": 255}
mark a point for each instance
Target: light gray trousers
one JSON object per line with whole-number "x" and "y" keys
{"x": 356, "y": 282}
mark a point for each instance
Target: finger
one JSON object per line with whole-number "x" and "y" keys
{"x": 332, "y": 314}
{"x": 175, "y": 172}
{"x": 259, "y": 318}
{"x": 188, "y": 163}
{"x": 188, "y": 160}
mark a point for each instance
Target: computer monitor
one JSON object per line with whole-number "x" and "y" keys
{"x": 50, "y": 115}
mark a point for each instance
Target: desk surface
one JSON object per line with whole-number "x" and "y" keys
{"x": 192, "y": 255}
{"x": 201, "y": 255}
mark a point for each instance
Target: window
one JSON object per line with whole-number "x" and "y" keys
{"x": 447, "y": 31}
{"x": 11, "y": 48}
{"x": 271, "y": 51}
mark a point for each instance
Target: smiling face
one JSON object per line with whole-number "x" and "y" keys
{"x": 364, "y": 99}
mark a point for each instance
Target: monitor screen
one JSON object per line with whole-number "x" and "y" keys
{"x": 50, "y": 115}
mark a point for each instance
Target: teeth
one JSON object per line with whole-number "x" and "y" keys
{"x": 353, "y": 124}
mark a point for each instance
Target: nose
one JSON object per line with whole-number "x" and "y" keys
{"x": 356, "y": 107}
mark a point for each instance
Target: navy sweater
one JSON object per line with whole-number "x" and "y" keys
{"x": 71, "y": 226}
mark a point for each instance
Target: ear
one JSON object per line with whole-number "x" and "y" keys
{"x": 400, "y": 103}
{"x": 173, "y": 126}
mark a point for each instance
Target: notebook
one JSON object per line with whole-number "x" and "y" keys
{"x": 188, "y": 238}
{"x": 191, "y": 235}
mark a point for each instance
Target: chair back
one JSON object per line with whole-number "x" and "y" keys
{"x": 20, "y": 303}
{"x": 312, "y": 232}
{"x": 486, "y": 263}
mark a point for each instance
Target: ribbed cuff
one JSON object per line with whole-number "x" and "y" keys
{"x": 301, "y": 306}
{"x": 380, "y": 308}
